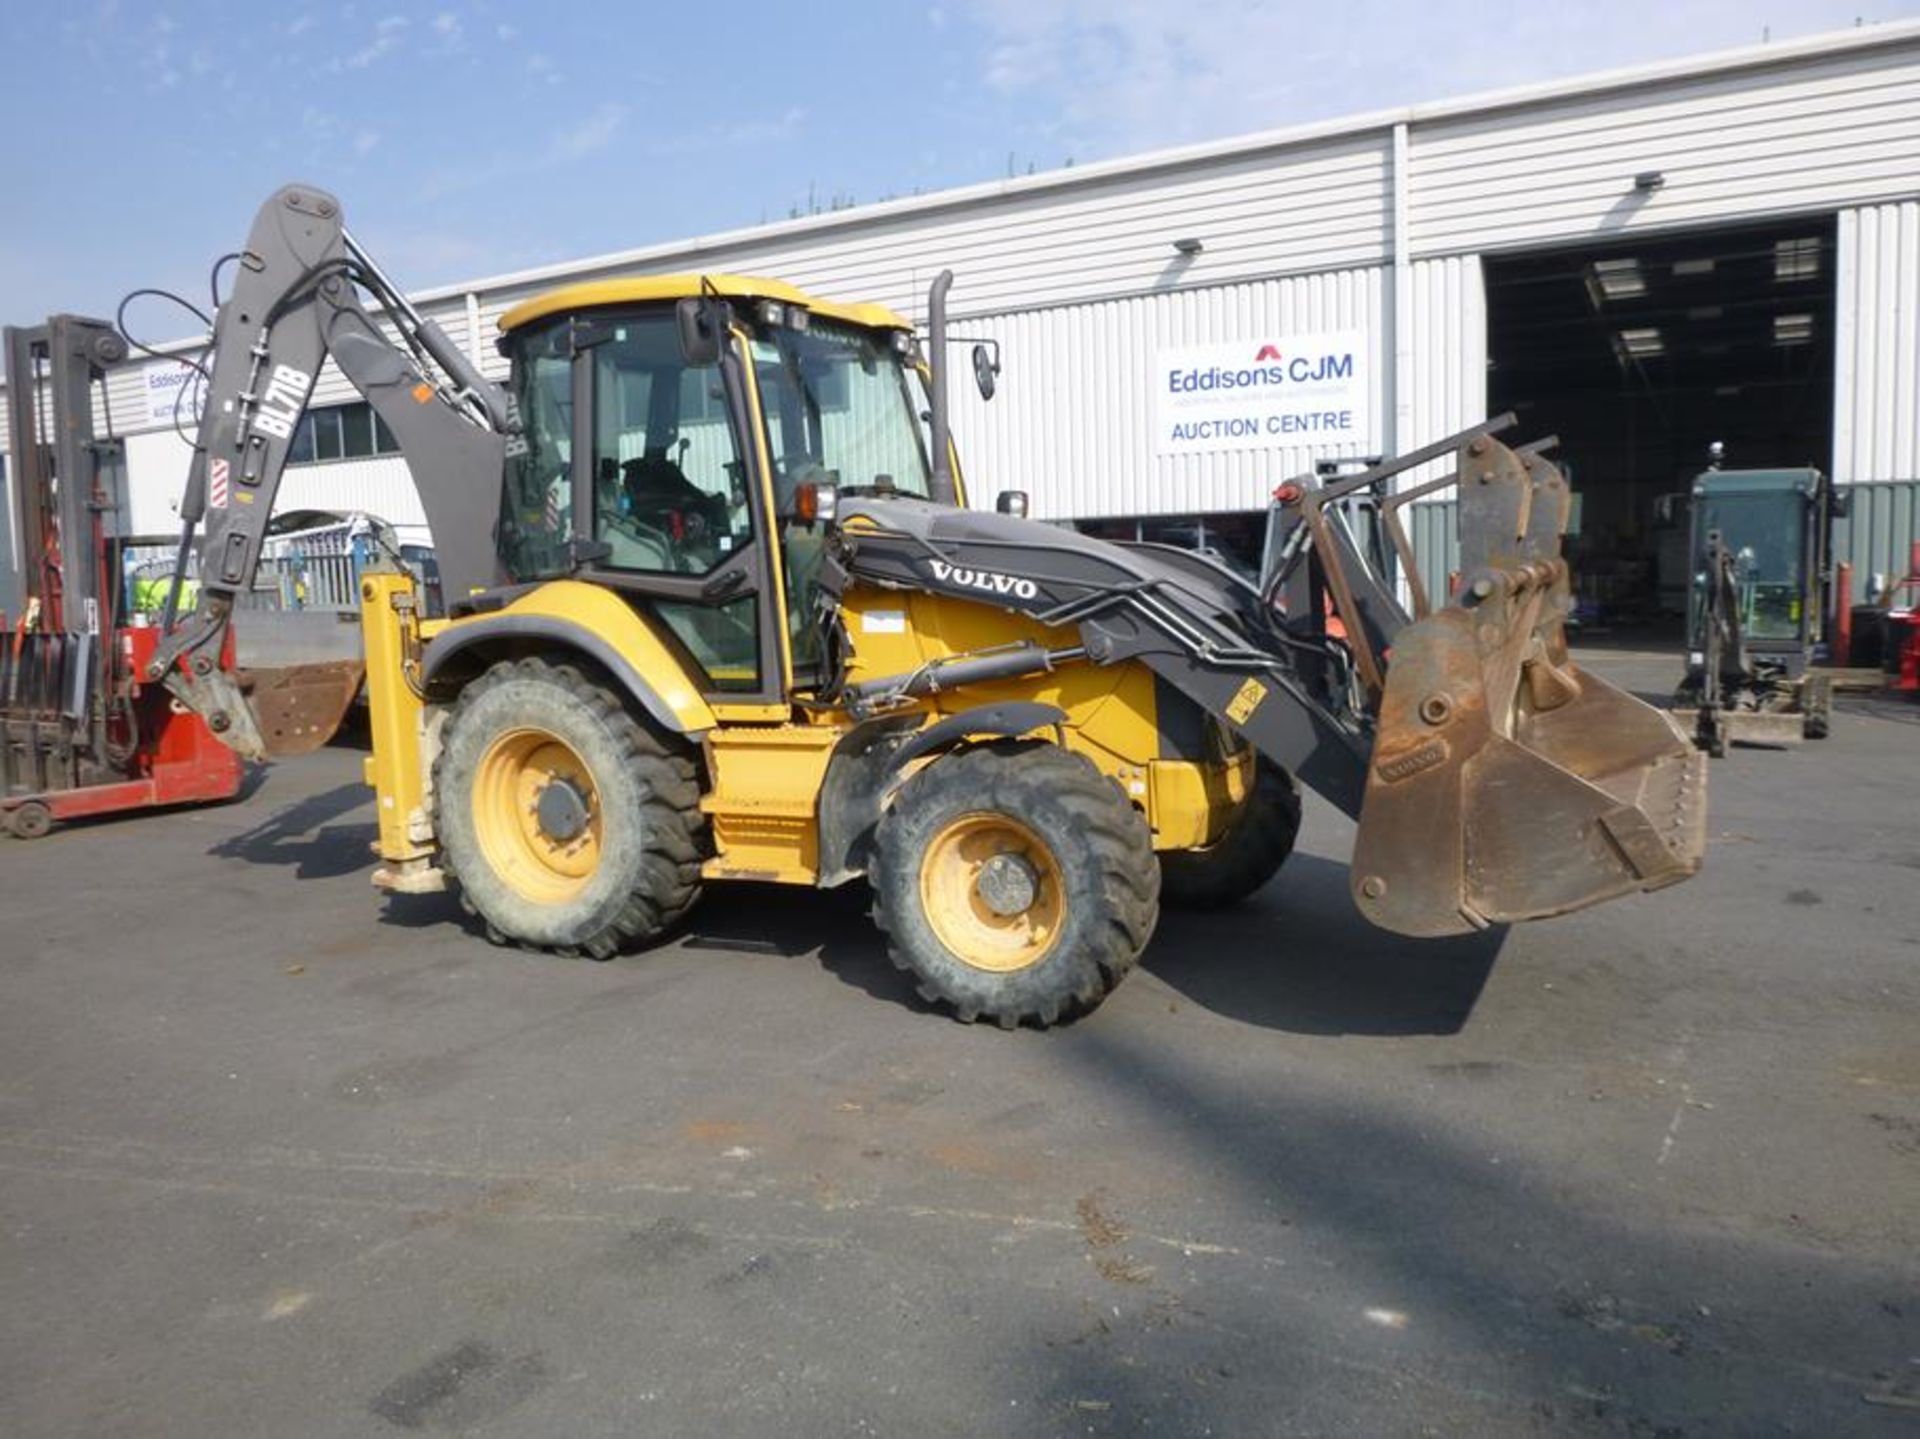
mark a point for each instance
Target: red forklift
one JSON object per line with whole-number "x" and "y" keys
{"x": 80, "y": 732}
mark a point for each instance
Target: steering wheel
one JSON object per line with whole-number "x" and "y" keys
{"x": 682, "y": 520}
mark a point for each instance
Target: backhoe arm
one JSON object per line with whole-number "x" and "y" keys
{"x": 295, "y": 303}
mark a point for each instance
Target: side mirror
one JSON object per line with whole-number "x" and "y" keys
{"x": 1012, "y": 502}
{"x": 699, "y": 335}
{"x": 985, "y": 370}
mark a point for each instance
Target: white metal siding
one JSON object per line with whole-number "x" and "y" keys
{"x": 1876, "y": 409}
{"x": 1073, "y": 422}
{"x": 1446, "y": 387}
{"x": 1300, "y": 208}
{"x": 1805, "y": 137}
{"x": 157, "y": 466}
{"x": 156, "y": 478}
{"x": 381, "y": 486}
{"x": 1877, "y": 535}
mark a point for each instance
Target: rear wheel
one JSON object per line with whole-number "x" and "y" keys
{"x": 1257, "y": 841}
{"x": 1015, "y": 883}
{"x": 568, "y": 824}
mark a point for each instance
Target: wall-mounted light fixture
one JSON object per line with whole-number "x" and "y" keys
{"x": 1188, "y": 246}
{"x": 1647, "y": 181}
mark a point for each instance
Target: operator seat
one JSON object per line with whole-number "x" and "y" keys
{"x": 654, "y": 483}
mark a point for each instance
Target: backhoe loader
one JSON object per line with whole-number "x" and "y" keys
{"x": 718, "y": 610}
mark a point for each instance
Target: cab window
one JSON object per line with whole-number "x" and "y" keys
{"x": 670, "y": 492}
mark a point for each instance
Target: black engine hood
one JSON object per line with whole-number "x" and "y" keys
{"x": 1025, "y": 565}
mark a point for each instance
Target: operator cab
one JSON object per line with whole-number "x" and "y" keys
{"x": 661, "y": 467}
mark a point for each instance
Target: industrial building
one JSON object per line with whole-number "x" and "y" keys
{"x": 1724, "y": 248}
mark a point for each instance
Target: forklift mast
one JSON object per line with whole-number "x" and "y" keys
{"x": 62, "y": 479}
{"x": 64, "y": 485}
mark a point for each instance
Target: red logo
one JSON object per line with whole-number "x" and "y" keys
{"x": 1267, "y": 352}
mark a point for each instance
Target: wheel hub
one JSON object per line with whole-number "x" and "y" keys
{"x": 993, "y": 892}
{"x": 561, "y": 810}
{"x": 1008, "y": 884}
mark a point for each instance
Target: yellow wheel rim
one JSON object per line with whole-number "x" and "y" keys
{"x": 991, "y": 890}
{"x": 544, "y": 842}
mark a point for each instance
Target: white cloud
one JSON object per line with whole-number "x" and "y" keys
{"x": 1123, "y": 75}
{"x": 388, "y": 33}
{"x": 364, "y": 141}
{"x": 592, "y": 134}
{"x": 446, "y": 23}
{"x": 507, "y": 32}
{"x": 299, "y": 26}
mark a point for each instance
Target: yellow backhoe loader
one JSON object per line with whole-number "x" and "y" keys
{"x": 719, "y": 610}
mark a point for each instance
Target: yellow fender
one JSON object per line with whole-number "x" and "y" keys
{"x": 568, "y": 614}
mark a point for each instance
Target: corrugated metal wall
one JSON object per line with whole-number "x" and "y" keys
{"x": 1288, "y": 207}
{"x": 1434, "y": 530}
{"x": 380, "y": 486}
{"x": 1876, "y": 414}
{"x": 1445, "y": 374}
{"x": 1877, "y": 537}
{"x": 1815, "y": 135}
{"x": 1073, "y": 421}
{"x": 1877, "y": 343}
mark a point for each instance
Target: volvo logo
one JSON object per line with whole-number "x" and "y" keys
{"x": 986, "y": 581}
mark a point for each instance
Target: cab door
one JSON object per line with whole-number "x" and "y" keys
{"x": 674, "y": 504}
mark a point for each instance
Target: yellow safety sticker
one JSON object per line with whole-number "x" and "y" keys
{"x": 1246, "y": 701}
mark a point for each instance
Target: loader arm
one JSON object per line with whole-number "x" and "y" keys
{"x": 1492, "y": 778}
{"x": 296, "y": 303}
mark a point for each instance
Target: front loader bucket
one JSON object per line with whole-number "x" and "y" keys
{"x": 298, "y": 708}
{"x": 1507, "y": 783}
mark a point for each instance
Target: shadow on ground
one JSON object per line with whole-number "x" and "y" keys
{"x": 1298, "y": 957}
{"x": 301, "y": 836}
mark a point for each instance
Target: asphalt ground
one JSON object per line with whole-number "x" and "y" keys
{"x": 279, "y": 1156}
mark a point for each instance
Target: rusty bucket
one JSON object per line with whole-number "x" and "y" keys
{"x": 300, "y": 707}
{"x": 1506, "y": 782}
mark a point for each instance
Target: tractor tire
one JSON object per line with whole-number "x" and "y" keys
{"x": 567, "y": 824}
{"x": 1015, "y": 883}
{"x": 1257, "y": 842}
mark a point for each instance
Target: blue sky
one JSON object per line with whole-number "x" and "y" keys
{"x": 470, "y": 137}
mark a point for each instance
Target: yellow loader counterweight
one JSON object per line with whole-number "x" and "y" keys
{"x": 724, "y": 614}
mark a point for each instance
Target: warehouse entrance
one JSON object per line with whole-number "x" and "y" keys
{"x": 1639, "y": 355}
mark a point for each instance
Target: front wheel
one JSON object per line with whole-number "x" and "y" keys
{"x": 1015, "y": 883}
{"x": 567, "y": 823}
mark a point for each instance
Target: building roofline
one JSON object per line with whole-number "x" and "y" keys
{"x": 1890, "y": 34}
{"x": 1885, "y": 35}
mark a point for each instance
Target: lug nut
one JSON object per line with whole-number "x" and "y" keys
{"x": 1478, "y": 445}
{"x": 1435, "y": 709}
{"x": 1373, "y": 886}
